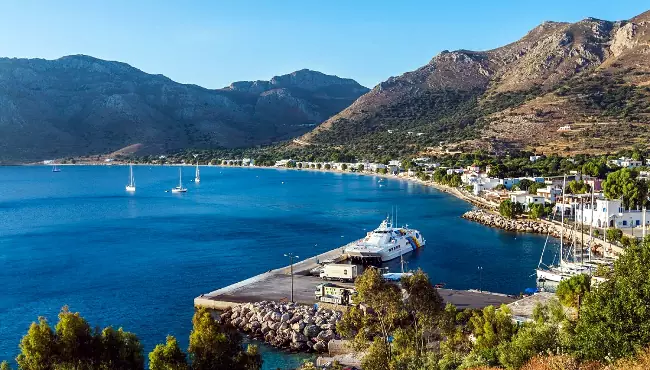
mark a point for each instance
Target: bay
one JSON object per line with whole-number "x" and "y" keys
{"x": 138, "y": 260}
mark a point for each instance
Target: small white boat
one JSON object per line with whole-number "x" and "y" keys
{"x": 130, "y": 187}
{"x": 197, "y": 177}
{"x": 56, "y": 168}
{"x": 179, "y": 188}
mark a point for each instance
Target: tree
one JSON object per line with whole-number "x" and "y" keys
{"x": 120, "y": 350}
{"x": 299, "y": 165}
{"x": 623, "y": 183}
{"x": 524, "y": 184}
{"x": 74, "y": 340}
{"x": 510, "y": 209}
{"x": 537, "y": 211}
{"x": 4, "y": 365}
{"x": 577, "y": 187}
{"x": 491, "y": 327}
{"x": 381, "y": 171}
{"x": 38, "y": 347}
{"x": 344, "y": 167}
{"x": 614, "y": 319}
{"x": 328, "y": 166}
{"x": 571, "y": 291}
{"x": 360, "y": 167}
{"x": 319, "y": 166}
{"x": 215, "y": 348}
{"x": 614, "y": 235}
{"x": 532, "y": 189}
{"x": 497, "y": 171}
{"x": 168, "y": 356}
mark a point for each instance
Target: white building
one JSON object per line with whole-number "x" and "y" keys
{"x": 526, "y": 199}
{"x": 550, "y": 193}
{"x": 282, "y": 162}
{"x": 626, "y": 162}
{"x": 375, "y": 166}
{"x": 610, "y": 213}
{"x": 535, "y": 158}
{"x": 485, "y": 184}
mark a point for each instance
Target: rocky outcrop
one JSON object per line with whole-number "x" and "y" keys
{"x": 285, "y": 325}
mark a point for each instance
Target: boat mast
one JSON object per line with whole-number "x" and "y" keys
{"x": 180, "y": 178}
{"x": 591, "y": 224}
{"x": 562, "y": 220}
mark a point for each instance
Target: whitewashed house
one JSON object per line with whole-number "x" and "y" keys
{"x": 509, "y": 182}
{"x": 484, "y": 184}
{"x": 282, "y": 163}
{"x": 610, "y": 213}
{"x": 626, "y": 162}
{"x": 535, "y": 158}
{"x": 550, "y": 193}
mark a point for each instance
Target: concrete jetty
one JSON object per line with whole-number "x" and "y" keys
{"x": 275, "y": 285}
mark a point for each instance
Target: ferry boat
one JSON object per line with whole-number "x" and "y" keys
{"x": 385, "y": 243}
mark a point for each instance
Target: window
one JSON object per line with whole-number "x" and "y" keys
{"x": 345, "y": 272}
{"x": 638, "y": 222}
{"x": 624, "y": 223}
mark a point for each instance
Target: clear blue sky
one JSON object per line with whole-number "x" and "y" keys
{"x": 212, "y": 43}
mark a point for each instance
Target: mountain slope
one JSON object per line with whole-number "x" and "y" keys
{"x": 515, "y": 96}
{"x": 79, "y": 105}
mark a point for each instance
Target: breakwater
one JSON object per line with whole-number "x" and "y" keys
{"x": 515, "y": 225}
{"x": 285, "y": 325}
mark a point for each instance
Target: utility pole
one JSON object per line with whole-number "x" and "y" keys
{"x": 291, "y": 258}
{"x": 480, "y": 278}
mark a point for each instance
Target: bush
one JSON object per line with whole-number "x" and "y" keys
{"x": 510, "y": 209}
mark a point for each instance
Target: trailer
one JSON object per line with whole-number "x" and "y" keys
{"x": 330, "y": 293}
{"x": 340, "y": 272}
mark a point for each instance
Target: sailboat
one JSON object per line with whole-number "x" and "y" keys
{"x": 179, "y": 188}
{"x": 565, "y": 269}
{"x": 197, "y": 177}
{"x": 55, "y": 168}
{"x": 131, "y": 185}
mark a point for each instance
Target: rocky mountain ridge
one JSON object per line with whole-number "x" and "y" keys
{"x": 592, "y": 75}
{"x": 79, "y": 105}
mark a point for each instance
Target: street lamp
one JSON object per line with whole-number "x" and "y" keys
{"x": 291, "y": 258}
{"x": 480, "y": 278}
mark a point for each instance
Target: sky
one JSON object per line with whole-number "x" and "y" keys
{"x": 212, "y": 43}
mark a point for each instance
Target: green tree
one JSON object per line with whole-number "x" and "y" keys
{"x": 571, "y": 291}
{"x": 623, "y": 183}
{"x": 524, "y": 184}
{"x": 74, "y": 340}
{"x": 4, "y": 365}
{"x": 537, "y": 211}
{"x": 328, "y": 166}
{"x": 497, "y": 171}
{"x": 510, "y": 209}
{"x": 577, "y": 187}
{"x": 614, "y": 318}
{"x": 168, "y": 356}
{"x": 344, "y": 167}
{"x": 614, "y": 235}
{"x": 319, "y": 166}
{"x": 38, "y": 347}
{"x": 532, "y": 189}
{"x": 381, "y": 171}
{"x": 299, "y": 165}
{"x": 491, "y": 327}
{"x": 120, "y": 350}
{"x": 360, "y": 167}
{"x": 213, "y": 347}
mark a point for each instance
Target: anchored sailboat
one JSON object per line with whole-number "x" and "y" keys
{"x": 131, "y": 185}
{"x": 179, "y": 188}
{"x": 197, "y": 177}
{"x": 56, "y": 168}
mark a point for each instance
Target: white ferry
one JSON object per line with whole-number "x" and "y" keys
{"x": 385, "y": 243}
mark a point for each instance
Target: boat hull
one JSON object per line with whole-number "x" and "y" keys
{"x": 550, "y": 275}
{"x": 130, "y": 188}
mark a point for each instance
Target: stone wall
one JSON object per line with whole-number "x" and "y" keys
{"x": 285, "y": 325}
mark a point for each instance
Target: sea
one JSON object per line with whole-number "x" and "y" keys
{"x": 138, "y": 260}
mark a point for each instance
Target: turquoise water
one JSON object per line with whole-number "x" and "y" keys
{"x": 137, "y": 260}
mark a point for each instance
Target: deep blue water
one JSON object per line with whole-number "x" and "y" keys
{"x": 77, "y": 238}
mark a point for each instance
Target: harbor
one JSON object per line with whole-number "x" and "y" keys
{"x": 275, "y": 285}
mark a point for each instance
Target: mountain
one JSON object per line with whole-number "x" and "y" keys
{"x": 593, "y": 75}
{"x": 79, "y": 105}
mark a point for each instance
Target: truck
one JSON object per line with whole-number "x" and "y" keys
{"x": 340, "y": 272}
{"x": 330, "y": 293}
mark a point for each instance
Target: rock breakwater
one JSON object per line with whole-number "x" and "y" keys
{"x": 515, "y": 225}
{"x": 285, "y": 325}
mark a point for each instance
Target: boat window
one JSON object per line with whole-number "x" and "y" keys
{"x": 345, "y": 272}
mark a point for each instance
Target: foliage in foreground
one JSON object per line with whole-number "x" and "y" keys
{"x": 72, "y": 344}
{"x": 586, "y": 327}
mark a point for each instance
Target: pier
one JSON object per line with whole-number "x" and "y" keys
{"x": 275, "y": 285}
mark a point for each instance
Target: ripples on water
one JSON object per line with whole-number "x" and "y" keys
{"x": 138, "y": 260}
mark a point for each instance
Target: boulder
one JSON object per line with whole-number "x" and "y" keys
{"x": 320, "y": 346}
{"x": 285, "y": 317}
{"x": 297, "y": 337}
{"x": 311, "y": 331}
{"x": 299, "y": 326}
